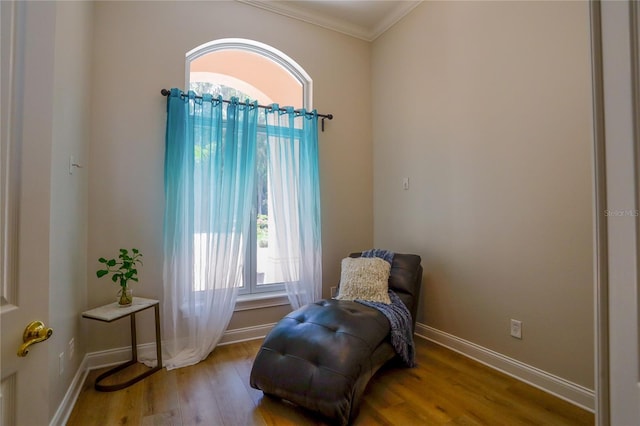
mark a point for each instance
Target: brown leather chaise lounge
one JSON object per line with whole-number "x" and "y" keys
{"x": 322, "y": 355}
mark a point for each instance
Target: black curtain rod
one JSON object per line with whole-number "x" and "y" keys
{"x": 166, "y": 92}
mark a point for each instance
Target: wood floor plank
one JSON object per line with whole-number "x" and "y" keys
{"x": 196, "y": 396}
{"x": 168, "y": 418}
{"x": 232, "y": 394}
{"x": 89, "y": 406}
{"x": 160, "y": 394}
{"x": 370, "y": 415}
{"x": 445, "y": 389}
{"x": 557, "y": 410}
{"x": 460, "y": 395}
{"x": 112, "y": 408}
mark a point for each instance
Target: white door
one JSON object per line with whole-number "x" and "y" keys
{"x": 25, "y": 165}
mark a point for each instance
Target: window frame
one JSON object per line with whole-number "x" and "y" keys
{"x": 289, "y": 65}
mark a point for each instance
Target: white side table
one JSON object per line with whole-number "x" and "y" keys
{"x": 112, "y": 312}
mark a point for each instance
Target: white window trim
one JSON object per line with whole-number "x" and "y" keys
{"x": 246, "y": 302}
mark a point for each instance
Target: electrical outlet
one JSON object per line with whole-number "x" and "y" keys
{"x": 72, "y": 345}
{"x": 61, "y": 363}
{"x": 334, "y": 291}
{"x": 516, "y": 329}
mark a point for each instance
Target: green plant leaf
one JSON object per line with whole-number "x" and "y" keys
{"x": 123, "y": 268}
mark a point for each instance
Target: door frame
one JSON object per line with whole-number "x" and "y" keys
{"x": 616, "y": 61}
{"x": 601, "y": 247}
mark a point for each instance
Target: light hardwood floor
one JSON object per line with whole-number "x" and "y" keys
{"x": 445, "y": 389}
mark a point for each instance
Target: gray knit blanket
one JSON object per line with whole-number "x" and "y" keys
{"x": 381, "y": 253}
{"x": 400, "y": 322}
{"x": 398, "y": 315}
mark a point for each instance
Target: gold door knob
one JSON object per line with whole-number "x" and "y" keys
{"x": 34, "y": 333}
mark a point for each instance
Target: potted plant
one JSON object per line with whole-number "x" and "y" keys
{"x": 122, "y": 271}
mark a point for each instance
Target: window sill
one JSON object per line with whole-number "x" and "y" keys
{"x": 248, "y": 302}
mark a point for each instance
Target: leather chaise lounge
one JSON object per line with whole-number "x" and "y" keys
{"x": 322, "y": 355}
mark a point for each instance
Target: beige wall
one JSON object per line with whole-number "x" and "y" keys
{"x": 139, "y": 48}
{"x": 69, "y": 193}
{"x": 52, "y": 124}
{"x": 486, "y": 107}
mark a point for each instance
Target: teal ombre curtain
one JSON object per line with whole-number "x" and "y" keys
{"x": 294, "y": 202}
{"x": 210, "y": 164}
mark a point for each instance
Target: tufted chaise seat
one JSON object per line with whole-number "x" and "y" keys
{"x": 322, "y": 355}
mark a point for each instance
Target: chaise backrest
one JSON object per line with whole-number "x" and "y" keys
{"x": 405, "y": 280}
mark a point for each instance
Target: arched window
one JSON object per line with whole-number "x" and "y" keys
{"x": 249, "y": 69}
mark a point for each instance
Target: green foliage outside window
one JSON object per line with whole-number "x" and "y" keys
{"x": 263, "y": 230}
{"x": 203, "y": 151}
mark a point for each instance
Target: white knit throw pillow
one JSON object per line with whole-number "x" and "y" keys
{"x": 365, "y": 278}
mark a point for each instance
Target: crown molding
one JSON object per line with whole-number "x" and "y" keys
{"x": 391, "y": 19}
{"x": 335, "y": 24}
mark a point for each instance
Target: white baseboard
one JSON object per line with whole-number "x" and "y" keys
{"x": 557, "y": 386}
{"x": 116, "y": 356}
{"x": 66, "y": 405}
{"x": 244, "y": 334}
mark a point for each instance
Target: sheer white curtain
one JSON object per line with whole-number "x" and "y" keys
{"x": 294, "y": 203}
{"x": 209, "y": 187}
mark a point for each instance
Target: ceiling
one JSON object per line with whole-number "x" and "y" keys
{"x": 364, "y": 19}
